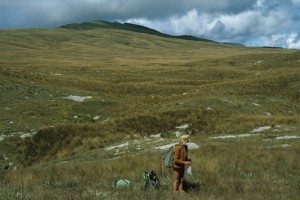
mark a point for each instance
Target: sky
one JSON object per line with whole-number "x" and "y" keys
{"x": 274, "y": 23}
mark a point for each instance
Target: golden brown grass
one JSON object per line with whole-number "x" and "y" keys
{"x": 143, "y": 84}
{"x": 223, "y": 170}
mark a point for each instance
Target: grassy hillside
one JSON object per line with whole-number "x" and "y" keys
{"x": 128, "y": 27}
{"x": 68, "y": 94}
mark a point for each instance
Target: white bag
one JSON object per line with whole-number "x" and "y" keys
{"x": 189, "y": 170}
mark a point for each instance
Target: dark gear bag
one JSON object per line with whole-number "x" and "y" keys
{"x": 151, "y": 180}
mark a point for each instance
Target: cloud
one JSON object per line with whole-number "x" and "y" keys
{"x": 223, "y": 27}
{"x": 285, "y": 40}
{"x": 296, "y": 2}
{"x": 293, "y": 41}
{"x": 31, "y": 13}
{"x": 250, "y": 22}
{"x": 257, "y": 26}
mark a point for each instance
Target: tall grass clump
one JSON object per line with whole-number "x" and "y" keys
{"x": 62, "y": 140}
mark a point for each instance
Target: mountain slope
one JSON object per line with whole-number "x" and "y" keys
{"x": 136, "y": 84}
{"x": 128, "y": 27}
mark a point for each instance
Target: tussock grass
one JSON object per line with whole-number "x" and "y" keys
{"x": 223, "y": 170}
{"x": 143, "y": 84}
{"x": 62, "y": 140}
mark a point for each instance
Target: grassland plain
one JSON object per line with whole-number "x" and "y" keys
{"x": 80, "y": 104}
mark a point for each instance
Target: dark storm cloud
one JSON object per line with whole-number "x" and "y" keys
{"x": 36, "y": 13}
{"x": 251, "y": 22}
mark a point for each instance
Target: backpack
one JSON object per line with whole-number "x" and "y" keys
{"x": 168, "y": 156}
{"x": 151, "y": 180}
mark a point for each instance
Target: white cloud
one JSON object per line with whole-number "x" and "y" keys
{"x": 239, "y": 28}
{"x": 191, "y": 23}
{"x": 293, "y": 41}
{"x": 260, "y": 3}
{"x": 296, "y": 2}
{"x": 290, "y": 41}
{"x": 274, "y": 40}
